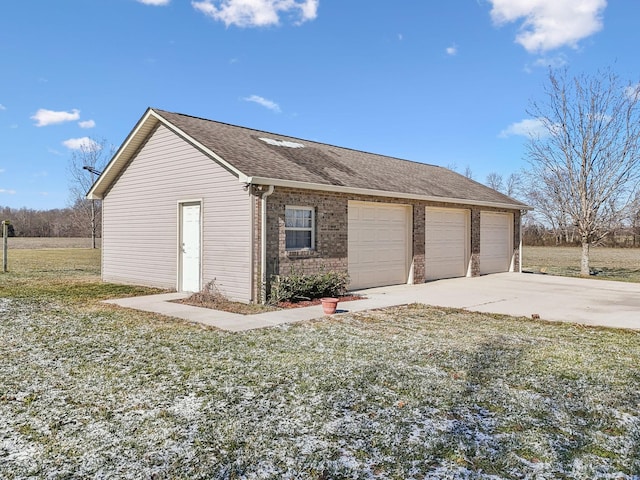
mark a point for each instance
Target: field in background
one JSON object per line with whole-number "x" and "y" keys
{"x": 66, "y": 275}
{"x": 49, "y": 242}
{"x": 621, "y": 264}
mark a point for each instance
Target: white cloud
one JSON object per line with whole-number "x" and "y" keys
{"x": 264, "y": 102}
{"x": 529, "y": 127}
{"x": 54, "y": 151}
{"x": 87, "y": 124}
{"x": 452, "y": 50}
{"x": 555, "y": 61}
{"x": 45, "y": 117}
{"x": 257, "y": 13}
{"x": 84, "y": 143}
{"x": 155, "y": 2}
{"x": 9, "y": 192}
{"x": 550, "y": 24}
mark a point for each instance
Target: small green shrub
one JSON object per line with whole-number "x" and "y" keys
{"x": 299, "y": 286}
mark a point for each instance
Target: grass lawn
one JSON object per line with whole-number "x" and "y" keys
{"x": 94, "y": 391}
{"x": 622, "y": 264}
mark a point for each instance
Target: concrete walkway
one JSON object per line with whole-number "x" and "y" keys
{"x": 234, "y": 322}
{"x": 576, "y": 300}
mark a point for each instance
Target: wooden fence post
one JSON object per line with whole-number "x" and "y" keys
{"x": 5, "y": 236}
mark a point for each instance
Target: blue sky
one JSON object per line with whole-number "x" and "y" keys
{"x": 441, "y": 82}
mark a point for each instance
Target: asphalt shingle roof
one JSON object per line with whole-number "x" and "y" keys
{"x": 324, "y": 164}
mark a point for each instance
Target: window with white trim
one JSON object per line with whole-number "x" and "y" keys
{"x": 299, "y": 227}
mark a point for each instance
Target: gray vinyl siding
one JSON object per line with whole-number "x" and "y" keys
{"x": 140, "y": 218}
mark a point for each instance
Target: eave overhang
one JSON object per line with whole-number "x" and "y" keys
{"x": 376, "y": 193}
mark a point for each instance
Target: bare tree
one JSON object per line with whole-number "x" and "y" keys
{"x": 589, "y": 156}
{"x": 467, "y": 172}
{"x": 633, "y": 218}
{"x": 513, "y": 185}
{"x": 84, "y": 165}
{"x": 494, "y": 180}
{"x": 548, "y": 207}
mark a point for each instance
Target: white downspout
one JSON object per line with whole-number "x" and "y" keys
{"x": 263, "y": 245}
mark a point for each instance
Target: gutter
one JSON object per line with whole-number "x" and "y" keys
{"x": 377, "y": 193}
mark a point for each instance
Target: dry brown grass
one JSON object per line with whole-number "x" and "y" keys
{"x": 621, "y": 264}
{"x": 211, "y": 297}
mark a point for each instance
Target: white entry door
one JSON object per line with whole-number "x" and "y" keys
{"x": 190, "y": 247}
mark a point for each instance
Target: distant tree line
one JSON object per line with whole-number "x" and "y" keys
{"x": 536, "y": 234}
{"x": 57, "y": 222}
{"x": 618, "y": 227}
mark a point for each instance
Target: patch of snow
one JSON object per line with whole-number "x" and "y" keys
{"x": 4, "y": 304}
{"x": 187, "y": 407}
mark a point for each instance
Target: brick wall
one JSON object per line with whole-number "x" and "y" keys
{"x": 331, "y": 217}
{"x": 331, "y": 232}
{"x": 516, "y": 241}
{"x": 474, "y": 262}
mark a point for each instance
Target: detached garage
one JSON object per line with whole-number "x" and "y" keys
{"x": 187, "y": 201}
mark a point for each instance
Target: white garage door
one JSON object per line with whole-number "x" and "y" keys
{"x": 378, "y": 244}
{"x": 447, "y": 242}
{"x": 495, "y": 242}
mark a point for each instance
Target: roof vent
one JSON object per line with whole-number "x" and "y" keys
{"x": 282, "y": 143}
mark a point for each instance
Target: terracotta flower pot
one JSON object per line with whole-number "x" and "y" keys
{"x": 329, "y": 305}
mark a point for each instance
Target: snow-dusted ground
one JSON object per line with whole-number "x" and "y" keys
{"x": 406, "y": 393}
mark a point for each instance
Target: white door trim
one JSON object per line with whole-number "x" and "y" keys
{"x": 193, "y": 281}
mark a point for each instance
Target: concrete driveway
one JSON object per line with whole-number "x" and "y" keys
{"x": 577, "y": 300}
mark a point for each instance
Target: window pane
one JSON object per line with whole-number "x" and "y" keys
{"x": 297, "y": 218}
{"x": 291, "y": 217}
{"x": 296, "y": 239}
{"x": 306, "y": 218}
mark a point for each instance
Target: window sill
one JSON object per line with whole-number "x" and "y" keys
{"x": 301, "y": 253}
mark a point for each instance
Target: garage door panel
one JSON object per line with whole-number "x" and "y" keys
{"x": 447, "y": 242}
{"x": 378, "y": 244}
{"x": 496, "y": 232}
